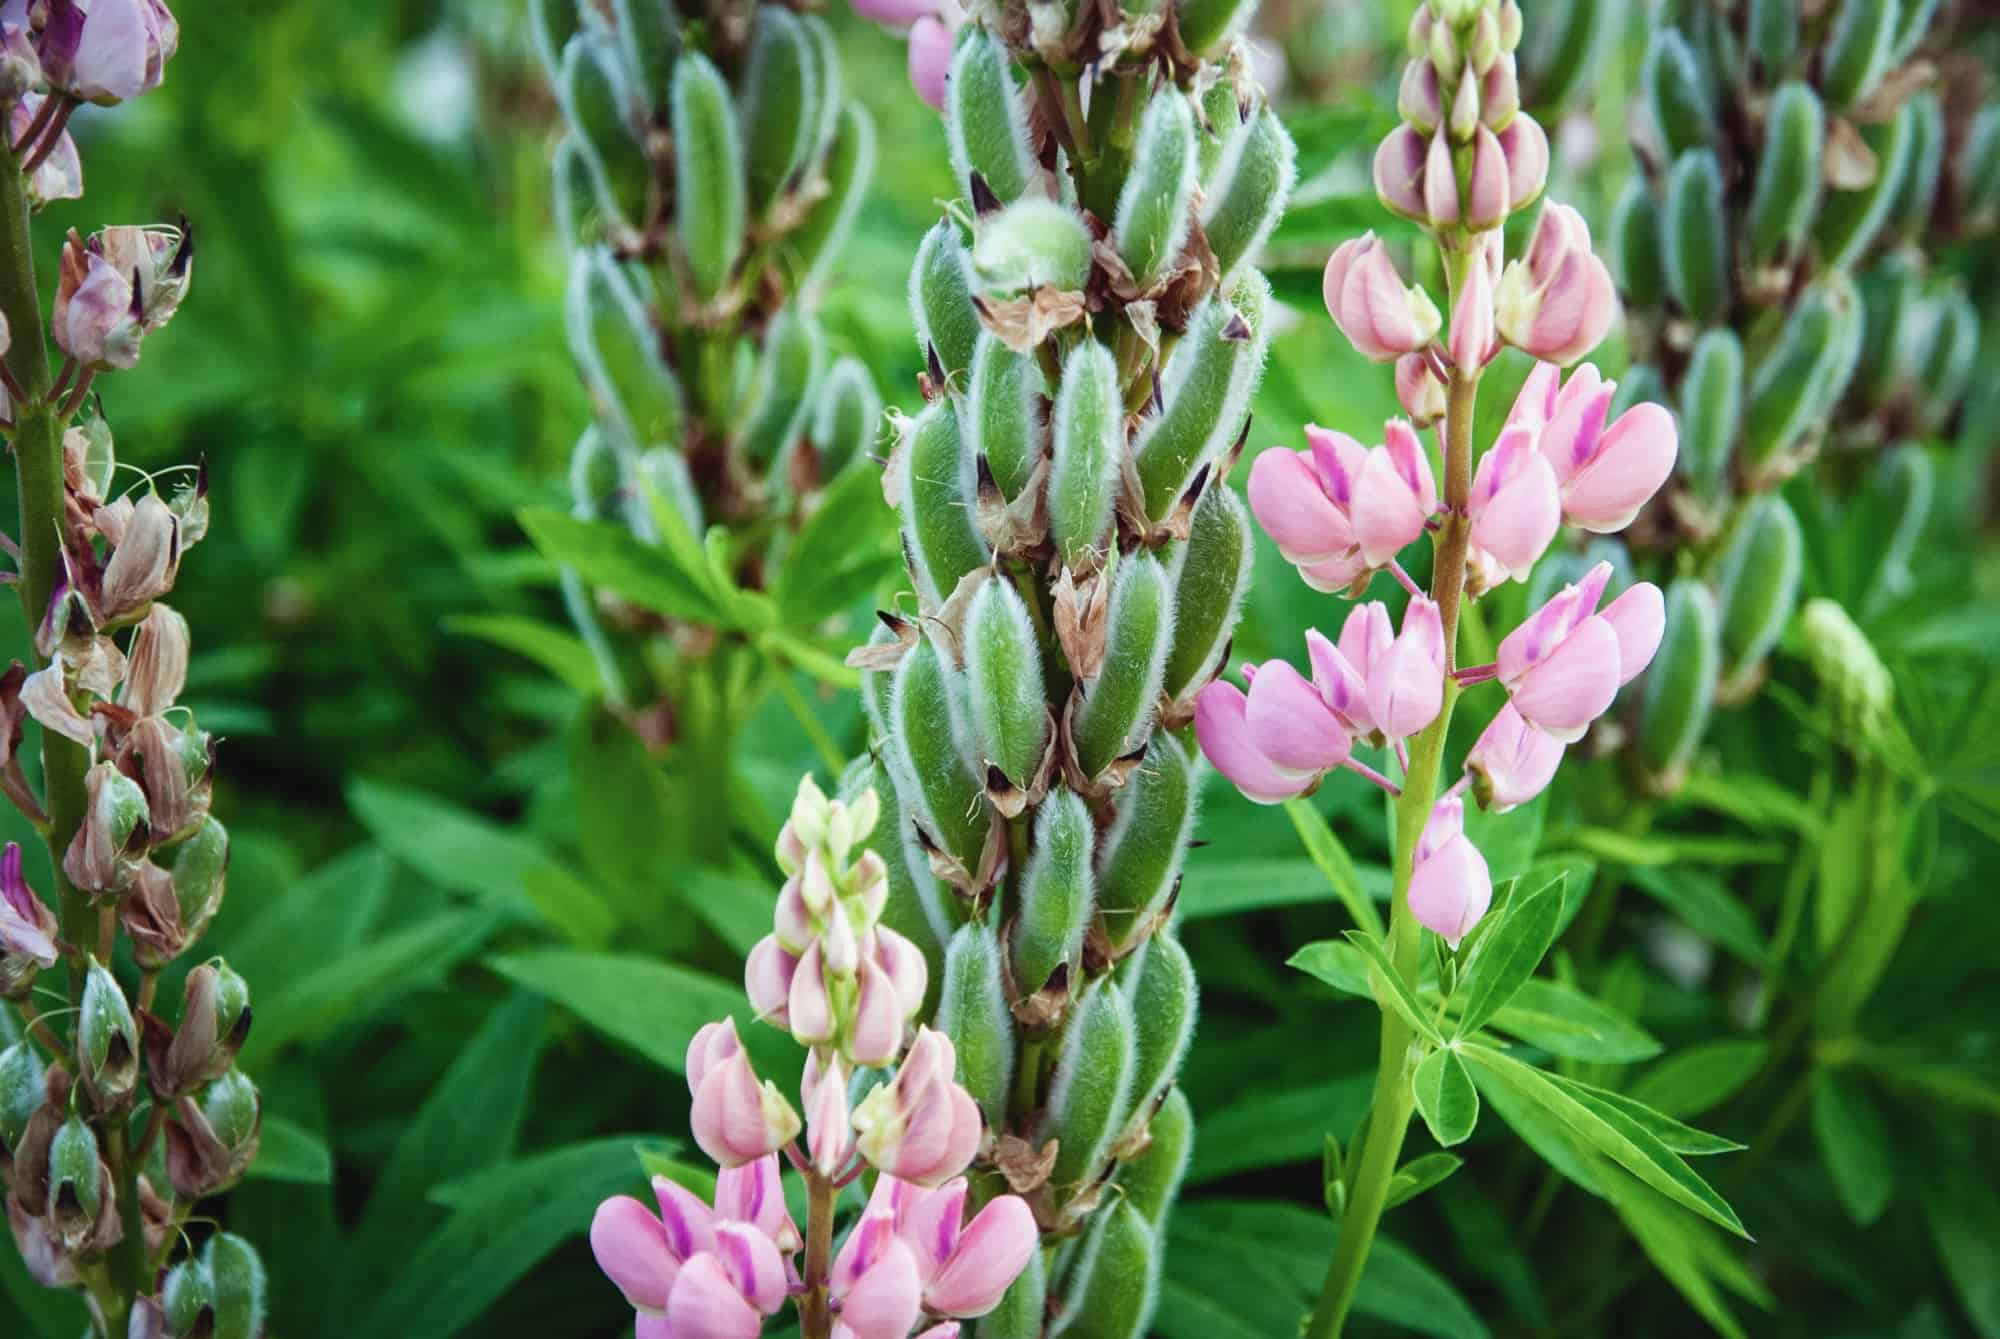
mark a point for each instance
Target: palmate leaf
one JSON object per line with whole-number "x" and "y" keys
{"x": 1393, "y": 992}
{"x": 1446, "y": 1098}
{"x": 608, "y": 555}
{"x": 1563, "y": 1021}
{"x": 1417, "y": 1175}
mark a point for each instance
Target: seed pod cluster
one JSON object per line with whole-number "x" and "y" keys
{"x": 1091, "y": 328}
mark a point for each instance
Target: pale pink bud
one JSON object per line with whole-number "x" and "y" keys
{"x": 792, "y": 922}
{"x": 1418, "y": 100}
{"x": 735, "y": 1119}
{"x": 868, "y": 885}
{"x": 1399, "y": 171}
{"x": 930, "y": 58}
{"x": 1512, "y": 762}
{"x": 1561, "y": 666}
{"x": 816, "y": 884}
{"x": 1484, "y": 48}
{"x": 1510, "y": 25}
{"x": 1291, "y": 724}
{"x": 1526, "y": 145}
{"x": 1406, "y": 678}
{"x": 1487, "y": 201}
{"x": 706, "y": 1303}
{"x": 791, "y": 850}
{"x": 809, "y": 1005}
{"x": 896, "y": 13}
{"x": 107, "y": 51}
{"x": 1500, "y": 93}
{"x": 921, "y": 1126}
{"x": 875, "y": 1282}
{"x": 632, "y": 1249}
{"x": 1515, "y": 507}
{"x": 767, "y": 980}
{"x": 876, "y": 1034}
{"x": 1366, "y": 298}
{"x": 1450, "y": 887}
{"x": 829, "y": 1141}
{"x": 1440, "y": 184}
{"x": 1394, "y": 494}
{"x": 981, "y": 1263}
{"x": 753, "y": 1193}
{"x": 1221, "y": 728}
{"x": 1420, "y": 390}
{"x": 839, "y": 944}
{"x": 1606, "y": 475}
{"x": 905, "y": 968}
{"x": 810, "y": 812}
{"x": 1557, "y": 301}
{"x": 1472, "y": 340}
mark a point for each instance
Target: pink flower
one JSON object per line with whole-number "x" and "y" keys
{"x": 829, "y": 1137}
{"x": 1605, "y": 474}
{"x": 1527, "y": 148}
{"x": 1450, "y": 887}
{"x": 1222, "y": 729}
{"x": 711, "y": 1273}
{"x": 1419, "y": 389}
{"x": 1399, "y": 172}
{"x": 1367, "y": 300}
{"x": 1562, "y": 667}
{"x": 1512, "y": 762}
{"x": 922, "y": 1125}
{"x": 1341, "y": 510}
{"x": 107, "y": 51}
{"x": 60, "y": 176}
{"x": 1472, "y": 340}
{"x": 963, "y": 1268}
{"x": 735, "y": 1118}
{"x": 933, "y": 29}
{"x": 874, "y": 1282}
{"x": 27, "y": 927}
{"x": 1515, "y": 506}
{"x": 1557, "y": 301}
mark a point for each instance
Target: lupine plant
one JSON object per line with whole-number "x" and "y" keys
{"x": 119, "y": 1113}
{"x": 1448, "y": 963}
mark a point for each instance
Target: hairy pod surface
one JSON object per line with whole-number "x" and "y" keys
{"x": 710, "y": 207}
{"x": 1562, "y": 48}
{"x": 1151, "y": 221}
{"x": 649, "y": 39}
{"x": 1798, "y": 381}
{"x": 1206, "y": 25}
{"x": 780, "y": 106}
{"x": 1857, "y": 49}
{"x": 1790, "y": 170}
{"x": 1150, "y": 1181}
{"x": 1032, "y": 243}
{"x": 1087, "y": 447}
{"x": 1023, "y": 1308}
{"x": 1635, "y": 245}
{"x": 1164, "y": 1002}
{"x": 1773, "y": 34}
{"x": 1247, "y": 195}
{"x": 924, "y": 721}
{"x": 597, "y": 104}
{"x": 1112, "y": 1290}
{"x": 1697, "y": 239}
{"x": 1923, "y": 168}
{"x": 985, "y": 120}
{"x": 972, "y": 1011}
{"x": 1678, "y": 93}
{"x": 1003, "y": 411}
{"x": 1003, "y": 661}
{"x": 1849, "y": 221}
{"x": 919, "y": 908}
{"x": 1139, "y": 859}
{"x": 1711, "y": 411}
{"x": 1092, "y": 1090}
{"x": 1211, "y": 572}
{"x": 1679, "y": 689}
{"x": 1056, "y": 893}
{"x": 781, "y": 395}
{"x": 1757, "y": 583}
{"x": 940, "y": 535}
{"x": 1205, "y": 391}
{"x": 849, "y": 166}
{"x": 618, "y": 354}
{"x": 941, "y": 301}
{"x": 1118, "y": 705}
{"x": 846, "y": 416}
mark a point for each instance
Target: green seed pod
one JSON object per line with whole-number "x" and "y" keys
{"x": 1912, "y": 27}
{"x": 1112, "y": 1293}
{"x": 597, "y": 104}
{"x": 1211, "y": 574}
{"x": 1023, "y": 1308}
{"x": 1944, "y": 348}
{"x": 850, "y": 163}
{"x": 621, "y": 664}
{"x": 1789, "y": 172}
{"x": 1032, "y": 243}
{"x": 1205, "y": 392}
{"x": 1979, "y": 164}
{"x": 200, "y": 865}
{"x": 1003, "y": 662}
{"x": 1773, "y": 34}
{"x": 1856, "y": 683}
{"x": 573, "y": 192}
{"x": 76, "y": 1176}
{"x": 941, "y": 302}
{"x": 1003, "y": 410}
{"x": 1697, "y": 239}
{"x": 662, "y": 471}
{"x": 1711, "y": 411}
{"x": 236, "y": 1276}
{"x": 1917, "y": 191}
{"x": 1118, "y": 705}
{"x": 1088, "y": 445}
{"x": 781, "y": 395}
{"x": 1635, "y": 245}
{"x": 1801, "y": 379}
{"x": 595, "y": 475}
{"x": 1164, "y": 1000}
{"x": 1757, "y": 584}
{"x": 1150, "y": 1181}
{"x": 939, "y": 785}
{"x": 1208, "y": 25}
{"x": 551, "y": 23}
{"x": 1222, "y": 119}
{"x": 710, "y": 212}
{"x": 918, "y": 907}
{"x": 1850, "y": 221}
{"x": 847, "y": 416}
{"x": 1679, "y": 688}
{"x": 1562, "y": 48}
{"x": 1092, "y": 1090}
{"x": 1890, "y": 298}
{"x": 107, "y": 1039}
{"x": 22, "y": 1090}
{"x": 972, "y": 1011}
{"x": 649, "y": 38}
{"x": 939, "y": 535}
{"x": 632, "y": 390}
{"x": 1151, "y": 222}
{"x": 233, "y": 1107}
{"x": 825, "y": 115}
{"x": 1246, "y": 193}
{"x": 1139, "y": 860}
{"x": 1902, "y": 492}
{"x": 188, "y": 1298}
{"x": 779, "y": 107}
{"x": 1857, "y": 49}
{"x": 1056, "y": 895}
{"x": 1679, "y": 94}
{"x": 985, "y": 121}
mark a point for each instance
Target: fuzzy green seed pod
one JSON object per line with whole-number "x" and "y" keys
{"x": 1912, "y": 26}
{"x": 939, "y": 535}
{"x": 945, "y": 794}
{"x": 1207, "y": 25}
{"x": 1246, "y": 194}
{"x": 1856, "y": 683}
{"x": 1902, "y": 491}
{"x": 573, "y": 193}
{"x": 1205, "y": 392}
{"x": 76, "y": 1175}
{"x": 236, "y": 1276}
{"x": 22, "y": 1090}
{"x": 1850, "y": 221}
{"x": 551, "y": 23}
{"x": 1003, "y": 662}
{"x": 1757, "y": 584}
{"x": 1164, "y": 1001}
{"x": 1563, "y": 47}
{"x": 1801, "y": 378}
{"x": 649, "y": 38}
{"x": 597, "y": 104}
{"x": 1150, "y": 1181}
{"x": 1056, "y": 894}
{"x": 1118, "y": 705}
{"x": 1023, "y": 1308}
{"x": 780, "y": 105}
{"x": 849, "y": 165}
{"x": 832, "y": 96}
{"x": 1696, "y": 251}
{"x": 596, "y": 473}
{"x": 1979, "y": 163}
{"x": 1211, "y": 574}
{"x": 1635, "y": 245}
{"x": 1139, "y": 860}
{"x": 107, "y": 1039}
{"x": 1917, "y": 191}
{"x": 1856, "y": 54}
{"x": 1789, "y": 172}
{"x": 1092, "y": 1090}
{"x": 941, "y": 302}
{"x": 1679, "y": 93}
{"x": 846, "y": 417}
{"x": 1711, "y": 411}
{"x": 1773, "y": 34}
{"x": 1679, "y": 688}
{"x": 710, "y": 209}
{"x": 1944, "y": 349}
{"x": 188, "y": 1297}
{"x": 1151, "y": 221}
{"x": 985, "y": 120}
{"x": 918, "y": 907}
{"x": 1032, "y": 243}
{"x": 1890, "y": 296}
{"x": 781, "y": 393}
{"x": 1088, "y": 444}
{"x": 233, "y": 1108}
{"x": 1111, "y": 1294}
{"x": 1004, "y": 414}
{"x": 1222, "y": 118}
{"x": 200, "y": 865}
{"x": 972, "y": 1011}
{"x": 617, "y": 351}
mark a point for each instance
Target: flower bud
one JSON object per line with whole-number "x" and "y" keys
{"x": 1441, "y": 202}
{"x": 1856, "y": 682}
{"x": 1367, "y": 300}
{"x": 1444, "y": 52}
{"x": 115, "y": 289}
{"x": 1140, "y": 855}
{"x": 1483, "y": 47}
{"x": 735, "y": 1120}
{"x": 1118, "y": 706}
{"x": 1116, "y": 1281}
{"x": 1088, "y": 447}
{"x": 930, "y": 59}
{"x": 1790, "y": 172}
{"x": 1003, "y": 662}
{"x": 1450, "y": 888}
{"x": 1204, "y": 392}
{"x": 1757, "y": 586}
{"x": 107, "y": 1040}
{"x": 106, "y": 51}
{"x": 1092, "y": 1090}
{"x": 1556, "y": 302}
{"x": 1400, "y": 165}
{"x": 972, "y": 1012}
{"x": 1526, "y": 147}
{"x": 1464, "y": 112}
{"x": 236, "y": 1278}
{"x": 1418, "y": 101}
{"x": 1472, "y": 340}
{"x": 921, "y": 1126}
{"x": 23, "y": 1088}
{"x": 1164, "y": 1000}
{"x": 1055, "y": 896}
{"x": 1150, "y": 1181}
{"x": 710, "y": 205}
{"x": 27, "y": 928}
{"x": 78, "y": 1188}
{"x": 1032, "y": 243}
{"x": 823, "y": 1092}
{"x": 1679, "y": 692}
{"x": 1419, "y": 390}
{"x": 1151, "y": 221}
{"x": 1512, "y": 762}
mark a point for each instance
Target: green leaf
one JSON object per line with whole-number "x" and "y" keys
{"x": 846, "y": 551}
{"x": 1705, "y": 906}
{"x": 1446, "y": 1098}
{"x": 1509, "y": 840}
{"x": 1682, "y": 1139}
{"x": 1416, "y": 1176}
{"x": 561, "y": 653}
{"x": 1220, "y": 887}
{"x": 1612, "y": 1132}
{"x": 1393, "y": 992}
{"x": 1689, "y": 1253}
{"x": 1563, "y": 1021}
{"x": 1277, "y": 1126}
{"x": 1340, "y": 965}
{"x": 290, "y": 1152}
{"x": 1673, "y": 848}
{"x": 1507, "y": 955}
{"x": 1334, "y": 862}
{"x": 1701, "y": 1077}
{"x": 1854, "y": 1139}
{"x": 608, "y": 555}
{"x": 1964, "y": 1219}
{"x": 315, "y": 922}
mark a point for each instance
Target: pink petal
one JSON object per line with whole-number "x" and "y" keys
{"x": 1639, "y": 617}
{"x": 1290, "y": 724}
{"x": 809, "y": 1006}
{"x": 1338, "y": 458}
{"x": 767, "y": 979}
{"x": 752, "y": 1262}
{"x": 706, "y": 1305}
{"x": 1575, "y": 684}
{"x": 1537, "y": 399}
{"x": 905, "y": 966}
{"x": 1512, "y": 762}
{"x": 995, "y": 1249}
{"x": 1451, "y": 890}
{"x": 690, "y": 1224}
{"x": 1335, "y": 575}
{"x": 1576, "y": 421}
{"x": 931, "y": 1225}
{"x": 930, "y": 59}
{"x": 885, "y": 1300}
{"x": 878, "y": 1018}
{"x": 1366, "y": 633}
{"x": 1399, "y": 171}
{"x": 1516, "y": 506}
{"x": 1287, "y": 500}
{"x": 754, "y": 1193}
{"x": 1221, "y": 729}
{"x": 711, "y": 1044}
{"x": 1341, "y": 686}
{"x": 632, "y": 1249}
{"x": 1633, "y": 459}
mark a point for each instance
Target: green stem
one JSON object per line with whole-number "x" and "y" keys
{"x": 1389, "y": 1120}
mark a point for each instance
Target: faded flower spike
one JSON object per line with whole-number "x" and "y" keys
{"x": 115, "y": 289}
